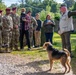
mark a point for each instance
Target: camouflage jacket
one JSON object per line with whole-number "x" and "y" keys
{"x": 33, "y": 23}
{"x": 16, "y": 19}
{"x": 1, "y": 22}
{"x": 7, "y": 22}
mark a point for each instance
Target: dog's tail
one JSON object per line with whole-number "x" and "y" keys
{"x": 67, "y": 52}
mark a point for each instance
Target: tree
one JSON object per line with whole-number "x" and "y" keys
{"x": 74, "y": 7}
{"x": 2, "y": 7}
{"x": 37, "y": 6}
{"x": 69, "y": 3}
{"x": 48, "y": 8}
{"x": 0, "y": 1}
{"x": 43, "y": 13}
{"x": 14, "y": 5}
{"x": 22, "y": 3}
{"x": 28, "y": 1}
{"x": 55, "y": 8}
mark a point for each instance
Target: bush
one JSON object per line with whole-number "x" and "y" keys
{"x": 44, "y": 13}
{"x": 57, "y": 16}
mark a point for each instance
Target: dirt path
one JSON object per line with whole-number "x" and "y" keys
{"x": 17, "y": 65}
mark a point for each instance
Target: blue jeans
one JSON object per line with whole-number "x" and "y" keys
{"x": 49, "y": 37}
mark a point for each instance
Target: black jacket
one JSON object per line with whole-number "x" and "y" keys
{"x": 39, "y": 25}
{"x": 22, "y": 23}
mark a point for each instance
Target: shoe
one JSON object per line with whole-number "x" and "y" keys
{"x": 22, "y": 49}
{"x": 36, "y": 47}
{"x": 3, "y": 46}
{"x": 7, "y": 51}
{"x": 33, "y": 46}
{"x": 29, "y": 48}
{"x": 16, "y": 49}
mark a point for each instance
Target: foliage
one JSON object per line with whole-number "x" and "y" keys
{"x": 43, "y": 7}
{"x": 44, "y": 13}
{"x": 2, "y": 7}
{"x": 0, "y": 1}
{"x": 74, "y": 9}
{"x": 14, "y": 5}
{"x": 69, "y": 3}
{"x": 39, "y": 5}
{"x": 57, "y": 16}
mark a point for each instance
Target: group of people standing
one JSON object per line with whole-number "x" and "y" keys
{"x": 31, "y": 28}
{"x": 13, "y": 28}
{"x": 9, "y": 35}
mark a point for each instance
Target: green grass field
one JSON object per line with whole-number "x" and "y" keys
{"x": 41, "y": 52}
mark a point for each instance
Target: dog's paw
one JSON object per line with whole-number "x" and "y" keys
{"x": 68, "y": 71}
{"x": 49, "y": 69}
{"x": 64, "y": 72}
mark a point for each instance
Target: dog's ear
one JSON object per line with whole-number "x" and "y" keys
{"x": 46, "y": 44}
{"x": 50, "y": 44}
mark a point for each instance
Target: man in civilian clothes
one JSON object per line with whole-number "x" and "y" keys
{"x": 27, "y": 20}
{"x": 66, "y": 26}
{"x": 22, "y": 27}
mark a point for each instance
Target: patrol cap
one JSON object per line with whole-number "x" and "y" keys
{"x": 8, "y": 9}
{"x": 14, "y": 8}
{"x": 63, "y": 5}
{"x": 0, "y": 11}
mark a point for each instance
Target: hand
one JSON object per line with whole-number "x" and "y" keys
{"x": 16, "y": 26}
{"x": 11, "y": 28}
{"x": 23, "y": 19}
{"x": 49, "y": 22}
{"x": 59, "y": 32}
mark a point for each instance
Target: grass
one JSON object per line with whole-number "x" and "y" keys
{"x": 42, "y": 53}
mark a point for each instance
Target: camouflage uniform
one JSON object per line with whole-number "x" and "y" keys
{"x": 15, "y": 33}
{"x": 6, "y": 31}
{"x": 0, "y": 32}
{"x": 33, "y": 26}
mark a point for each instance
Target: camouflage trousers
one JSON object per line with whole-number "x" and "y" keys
{"x": 6, "y": 39}
{"x": 37, "y": 38}
{"x": 15, "y": 39}
{"x": 31, "y": 36}
{"x": 0, "y": 39}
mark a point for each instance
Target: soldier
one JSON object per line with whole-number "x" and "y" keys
{"x": 0, "y": 29}
{"x": 33, "y": 26}
{"x": 15, "y": 33}
{"x": 7, "y": 26}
